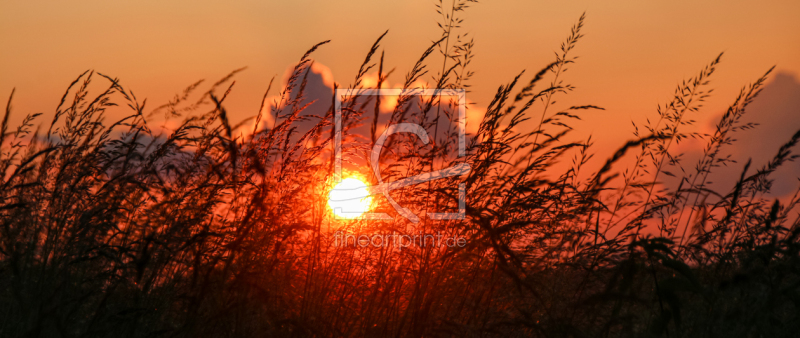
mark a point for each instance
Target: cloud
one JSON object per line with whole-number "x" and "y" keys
{"x": 318, "y": 91}
{"x": 777, "y": 112}
{"x": 475, "y": 115}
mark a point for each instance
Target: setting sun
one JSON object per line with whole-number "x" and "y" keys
{"x": 427, "y": 168}
{"x": 350, "y": 198}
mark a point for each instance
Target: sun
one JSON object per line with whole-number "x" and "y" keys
{"x": 350, "y": 198}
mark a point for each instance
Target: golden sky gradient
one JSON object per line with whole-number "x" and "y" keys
{"x": 632, "y": 56}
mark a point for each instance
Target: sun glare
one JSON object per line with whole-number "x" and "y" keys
{"x": 350, "y": 198}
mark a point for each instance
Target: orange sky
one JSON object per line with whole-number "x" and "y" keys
{"x": 632, "y": 56}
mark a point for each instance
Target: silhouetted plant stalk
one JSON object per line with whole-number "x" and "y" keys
{"x": 222, "y": 230}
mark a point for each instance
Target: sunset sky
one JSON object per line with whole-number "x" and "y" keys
{"x": 617, "y": 191}
{"x": 632, "y": 56}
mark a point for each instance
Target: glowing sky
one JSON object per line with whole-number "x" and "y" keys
{"x": 632, "y": 56}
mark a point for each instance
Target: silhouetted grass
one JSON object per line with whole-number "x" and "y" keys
{"x": 217, "y": 230}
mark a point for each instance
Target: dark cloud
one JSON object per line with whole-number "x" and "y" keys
{"x": 777, "y": 111}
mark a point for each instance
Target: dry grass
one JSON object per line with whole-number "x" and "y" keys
{"x": 109, "y": 230}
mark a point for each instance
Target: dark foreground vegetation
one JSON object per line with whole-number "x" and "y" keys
{"x": 112, "y": 230}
